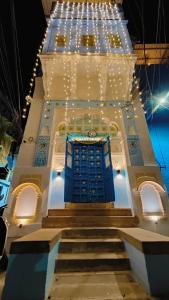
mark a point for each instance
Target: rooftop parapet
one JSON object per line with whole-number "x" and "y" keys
{"x": 48, "y": 5}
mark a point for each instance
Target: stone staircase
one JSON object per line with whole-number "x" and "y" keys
{"x": 92, "y": 263}
{"x": 90, "y": 240}
{"x": 118, "y": 285}
{"x": 94, "y": 217}
{"x": 91, "y": 249}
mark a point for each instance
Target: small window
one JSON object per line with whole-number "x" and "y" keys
{"x": 115, "y": 41}
{"x": 61, "y": 40}
{"x": 88, "y": 40}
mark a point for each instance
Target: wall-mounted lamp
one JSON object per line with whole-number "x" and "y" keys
{"x": 155, "y": 219}
{"x": 59, "y": 170}
{"x": 118, "y": 171}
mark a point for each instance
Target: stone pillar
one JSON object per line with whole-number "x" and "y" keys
{"x": 31, "y": 266}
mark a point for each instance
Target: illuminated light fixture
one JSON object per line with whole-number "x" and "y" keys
{"x": 118, "y": 171}
{"x": 155, "y": 219}
{"x": 22, "y": 222}
{"x": 162, "y": 100}
{"x": 59, "y": 170}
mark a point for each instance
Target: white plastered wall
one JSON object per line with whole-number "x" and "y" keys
{"x": 56, "y": 190}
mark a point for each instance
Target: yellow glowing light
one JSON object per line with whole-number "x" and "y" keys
{"x": 154, "y": 218}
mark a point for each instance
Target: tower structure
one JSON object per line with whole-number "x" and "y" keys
{"x": 86, "y": 138}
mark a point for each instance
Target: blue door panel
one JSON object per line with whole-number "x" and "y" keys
{"x": 88, "y": 172}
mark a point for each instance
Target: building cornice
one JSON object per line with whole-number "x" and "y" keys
{"x": 47, "y": 4}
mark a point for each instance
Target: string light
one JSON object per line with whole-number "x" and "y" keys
{"x": 77, "y": 32}
{"x": 81, "y": 25}
{"x": 95, "y": 28}
{"x": 105, "y": 20}
{"x": 104, "y": 28}
{"x": 71, "y": 26}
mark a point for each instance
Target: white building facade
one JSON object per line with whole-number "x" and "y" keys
{"x": 88, "y": 91}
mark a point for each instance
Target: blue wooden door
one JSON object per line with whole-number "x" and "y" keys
{"x": 88, "y": 172}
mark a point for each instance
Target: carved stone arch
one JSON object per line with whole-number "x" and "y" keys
{"x": 80, "y": 124}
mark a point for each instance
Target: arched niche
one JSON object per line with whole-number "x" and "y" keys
{"x": 26, "y": 205}
{"x": 151, "y": 200}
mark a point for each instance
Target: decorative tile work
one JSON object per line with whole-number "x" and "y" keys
{"x": 41, "y": 154}
{"x": 135, "y": 151}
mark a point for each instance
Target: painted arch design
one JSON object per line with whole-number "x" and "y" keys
{"x": 83, "y": 124}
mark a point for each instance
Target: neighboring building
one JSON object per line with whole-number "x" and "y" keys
{"x": 6, "y": 162}
{"x": 86, "y": 138}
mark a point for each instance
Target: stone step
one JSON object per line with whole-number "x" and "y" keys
{"x": 90, "y": 212}
{"x": 90, "y": 262}
{"x": 90, "y": 233}
{"x": 97, "y": 286}
{"x": 91, "y": 245}
{"x": 89, "y": 221}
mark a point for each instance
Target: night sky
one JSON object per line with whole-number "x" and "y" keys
{"x": 22, "y": 25}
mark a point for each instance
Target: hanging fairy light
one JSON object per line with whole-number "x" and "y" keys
{"x": 66, "y": 77}
{"x": 78, "y": 10}
{"x": 87, "y": 64}
{"x": 37, "y": 61}
{"x": 110, "y": 26}
{"x": 87, "y": 26}
{"x": 104, "y": 28}
{"x": 58, "y": 32}
{"x": 80, "y": 26}
{"x": 101, "y": 16}
{"x": 127, "y": 47}
{"x": 65, "y": 25}
{"x": 95, "y": 28}
{"x": 96, "y": 17}
{"x": 66, "y": 87}
{"x": 71, "y": 26}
